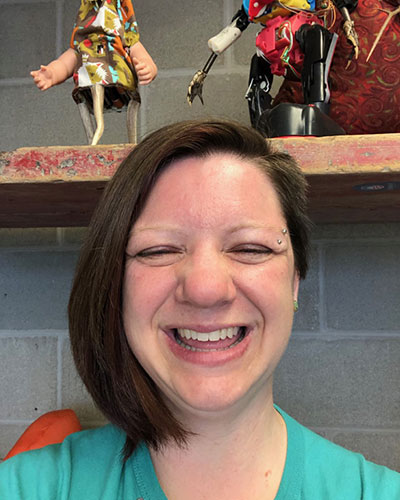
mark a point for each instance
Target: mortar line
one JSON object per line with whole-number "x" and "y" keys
{"x": 59, "y": 46}
{"x": 332, "y": 335}
{"x": 356, "y": 430}
{"x": 13, "y": 82}
{"x": 322, "y": 312}
{"x": 10, "y": 334}
{"x": 19, "y": 2}
{"x": 142, "y": 115}
{"x": 188, "y": 72}
{"x": 227, "y": 16}
{"x": 378, "y": 240}
{"x": 17, "y": 421}
{"x": 59, "y": 371}
{"x": 70, "y": 247}
{"x": 60, "y": 231}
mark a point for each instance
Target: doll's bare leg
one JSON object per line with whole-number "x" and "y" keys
{"x": 98, "y": 107}
{"x": 86, "y": 120}
{"x": 131, "y": 120}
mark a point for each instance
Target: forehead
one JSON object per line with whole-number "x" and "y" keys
{"x": 219, "y": 186}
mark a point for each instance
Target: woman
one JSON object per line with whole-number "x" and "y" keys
{"x": 180, "y": 311}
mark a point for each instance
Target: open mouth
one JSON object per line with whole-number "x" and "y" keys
{"x": 217, "y": 340}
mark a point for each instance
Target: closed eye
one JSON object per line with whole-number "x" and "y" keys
{"x": 158, "y": 256}
{"x": 250, "y": 254}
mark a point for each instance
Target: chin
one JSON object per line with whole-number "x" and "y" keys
{"x": 216, "y": 395}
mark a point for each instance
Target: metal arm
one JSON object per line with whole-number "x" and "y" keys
{"x": 217, "y": 44}
{"x": 196, "y": 85}
{"x": 346, "y": 7}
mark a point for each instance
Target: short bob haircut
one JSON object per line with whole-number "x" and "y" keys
{"x": 120, "y": 387}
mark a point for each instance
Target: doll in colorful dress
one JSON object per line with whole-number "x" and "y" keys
{"x": 107, "y": 62}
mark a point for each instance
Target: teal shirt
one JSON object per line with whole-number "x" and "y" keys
{"x": 88, "y": 466}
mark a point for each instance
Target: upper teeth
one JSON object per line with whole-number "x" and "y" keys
{"x": 210, "y": 336}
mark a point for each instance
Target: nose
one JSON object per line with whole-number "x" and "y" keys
{"x": 205, "y": 280}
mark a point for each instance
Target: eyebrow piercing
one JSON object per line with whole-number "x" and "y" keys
{"x": 284, "y": 231}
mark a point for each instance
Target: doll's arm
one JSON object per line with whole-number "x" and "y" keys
{"x": 55, "y": 72}
{"x": 145, "y": 67}
{"x": 217, "y": 44}
{"x": 225, "y": 38}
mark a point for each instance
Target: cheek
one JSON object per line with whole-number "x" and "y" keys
{"x": 144, "y": 292}
{"x": 272, "y": 280}
{"x": 271, "y": 291}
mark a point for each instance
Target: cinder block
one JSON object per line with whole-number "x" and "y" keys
{"x": 28, "y": 375}
{"x": 380, "y": 447}
{"x": 223, "y": 96}
{"x": 62, "y": 125}
{"x": 245, "y": 47}
{"x": 307, "y": 317}
{"x": 70, "y": 11}
{"x": 74, "y": 394}
{"x": 28, "y": 237}
{"x": 175, "y": 32}
{"x": 341, "y": 383}
{"x": 350, "y": 232}
{"x": 362, "y": 286}
{"x": 74, "y": 235}
{"x": 28, "y": 38}
{"x": 35, "y": 289}
{"x": 36, "y": 118}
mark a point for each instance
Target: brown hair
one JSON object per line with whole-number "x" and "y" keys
{"x": 115, "y": 379}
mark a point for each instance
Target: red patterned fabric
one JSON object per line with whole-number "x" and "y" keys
{"x": 365, "y": 98}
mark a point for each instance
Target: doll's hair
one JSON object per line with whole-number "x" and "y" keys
{"x": 119, "y": 385}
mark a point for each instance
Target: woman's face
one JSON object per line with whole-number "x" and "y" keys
{"x": 209, "y": 283}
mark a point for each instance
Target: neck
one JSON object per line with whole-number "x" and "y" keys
{"x": 230, "y": 456}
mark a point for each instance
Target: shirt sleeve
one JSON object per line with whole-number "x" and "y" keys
{"x": 32, "y": 475}
{"x": 380, "y": 482}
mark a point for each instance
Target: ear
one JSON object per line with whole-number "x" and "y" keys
{"x": 296, "y": 284}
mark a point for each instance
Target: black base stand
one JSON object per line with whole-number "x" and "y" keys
{"x": 287, "y": 119}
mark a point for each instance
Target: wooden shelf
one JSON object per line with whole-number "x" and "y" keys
{"x": 55, "y": 186}
{"x": 352, "y": 179}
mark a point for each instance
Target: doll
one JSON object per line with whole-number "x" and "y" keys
{"x": 295, "y": 38}
{"x": 107, "y": 62}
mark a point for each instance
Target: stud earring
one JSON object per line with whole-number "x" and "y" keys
{"x": 284, "y": 230}
{"x": 295, "y": 305}
{"x": 279, "y": 242}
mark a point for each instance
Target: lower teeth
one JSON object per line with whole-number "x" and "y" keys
{"x": 197, "y": 349}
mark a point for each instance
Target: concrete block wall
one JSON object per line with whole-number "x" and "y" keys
{"x": 176, "y": 36}
{"x": 341, "y": 373}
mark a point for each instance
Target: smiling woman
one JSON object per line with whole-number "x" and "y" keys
{"x": 207, "y": 262}
{"x": 181, "y": 309}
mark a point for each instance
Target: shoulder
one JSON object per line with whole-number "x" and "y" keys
{"x": 333, "y": 472}
{"x": 56, "y": 471}
{"x": 347, "y": 473}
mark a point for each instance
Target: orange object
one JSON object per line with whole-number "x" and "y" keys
{"x": 51, "y": 428}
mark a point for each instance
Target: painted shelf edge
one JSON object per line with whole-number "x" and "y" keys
{"x": 352, "y": 179}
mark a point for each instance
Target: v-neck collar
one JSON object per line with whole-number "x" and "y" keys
{"x": 289, "y": 488}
